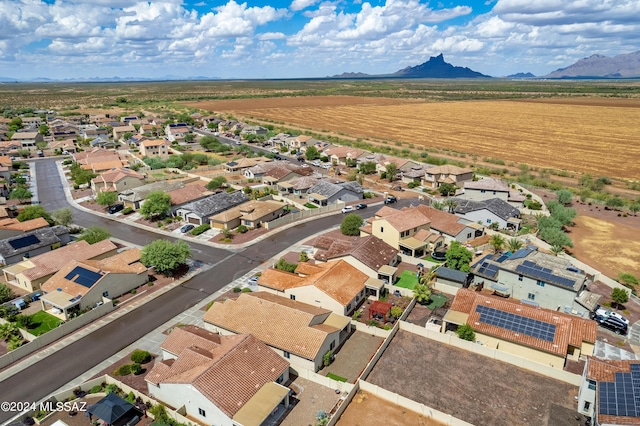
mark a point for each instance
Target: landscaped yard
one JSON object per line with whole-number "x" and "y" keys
{"x": 437, "y": 301}
{"x": 407, "y": 280}
{"x": 41, "y": 322}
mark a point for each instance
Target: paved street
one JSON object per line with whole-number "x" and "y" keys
{"x": 50, "y": 373}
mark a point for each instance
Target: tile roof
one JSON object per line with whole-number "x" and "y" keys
{"x": 303, "y": 183}
{"x": 407, "y": 219}
{"x": 58, "y": 282}
{"x": 449, "y": 169}
{"x": 153, "y": 142}
{"x": 45, "y": 237}
{"x": 569, "y": 329}
{"x": 489, "y": 184}
{"x": 441, "y": 221}
{"x": 605, "y": 371}
{"x": 186, "y": 336}
{"x": 497, "y": 206}
{"x": 215, "y": 204}
{"x": 116, "y": 175}
{"x": 329, "y": 189}
{"x": 125, "y": 262}
{"x": 187, "y": 194}
{"x": 27, "y": 225}
{"x": 140, "y": 193}
{"x": 370, "y": 250}
{"x": 228, "y": 375}
{"x": 279, "y": 322}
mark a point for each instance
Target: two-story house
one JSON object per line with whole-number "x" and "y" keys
{"x": 436, "y": 176}
{"x": 154, "y": 148}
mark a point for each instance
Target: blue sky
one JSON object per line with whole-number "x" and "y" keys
{"x": 305, "y": 38}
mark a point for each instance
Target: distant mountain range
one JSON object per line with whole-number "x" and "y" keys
{"x": 104, "y": 79}
{"x": 599, "y": 66}
{"x": 435, "y": 67}
{"x": 522, "y": 75}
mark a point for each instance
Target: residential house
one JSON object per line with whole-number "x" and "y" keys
{"x": 325, "y": 193}
{"x": 154, "y": 148}
{"x": 449, "y": 225}
{"x": 299, "y": 332}
{"x": 10, "y": 147}
{"x": 199, "y": 212}
{"x": 493, "y": 212}
{"x": 33, "y": 243}
{"x": 448, "y": 173}
{"x": 31, "y": 122}
{"x": 239, "y": 165}
{"x": 537, "y": 278}
{"x": 176, "y": 131}
{"x": 258, "y": 170}
{"x": 219, "y": 380}
{"x": 402, "y": 164}
{"x": 82, "y": 284}
{"x": 32, "y": 272}
{"x": 343, "y": 155}
{"x": 227, "y": 125}
{"x": 608, "y": 392}
{"x": 119, "y": 132}
{"x": 65, "y": 132}
{"x": 414, "y": 174}
{"x": 253, "y": 130}
{"x": 540, "y": 335}
{"x": 298, "y": 186}
{"x": 187, "y": 194}
{"x": 488, "y": 188}
{"x": 64, "y": 145}
{"x": 297, "y": 143}
{"x": 278, "y": 174}
{"x": 95, "y": 132}
{"x": 450, "y": 280}
{"x": 405, "y": 230}
{"x": 337, "y": 286}
{"x": 6, "y": 161}
{"x": 117, "y": 180}
{"x": 95, "y": 155}
{"x": 10, "y": 227}
{"x": 252, "y": 214}
{"x": 97, "y": 166}
{"x": 133, "y": 197}
{"x": 27, "y": 140}
{"x": 5, "y": 175}
{"x": 104, "y": 142}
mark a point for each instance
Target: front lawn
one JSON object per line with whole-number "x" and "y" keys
{"x": 41, "y": 322}
{"x": 407, "y": 280}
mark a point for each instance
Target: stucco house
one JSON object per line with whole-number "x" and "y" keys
{"x": 251, "y": 214}
{"x": 493, "y": 212}
{"x": 436, "y": 176}
{"x": 199, "y": 212}
{"x": 324, "y": 192}
{"x": 299, "y": 332}
{"x": 33, "y": 243}
{"x": 219, "y": 380}
{"x": 27, "y": 140}
{"x": 487, "y": 188}
{"x": 10, "y": 227}
{"x": 154, "y": 148}
{"x": 119, "y": 132}
{"x": 538, "y": 278}
{"x": 539, "y": 335}
{"x": 450, "y": 226}
{"x": 82, "y": 284}
{"x": 298, "y": 186}
{"x": 254, "y": 130}
{"x": 133, "y": 197}
{"x": 117, "y": 180}
{"x": 176, "y": 131}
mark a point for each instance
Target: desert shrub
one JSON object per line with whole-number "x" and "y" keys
{"x": 96, "y": 389}
{"x": 123, "y": 370}
{"x": 127, "y": 210}
{"x": 242, "y": 229}
{"x": 136, "y": 368}
{"x": 246, "y": 290}
{"x": 237, "y": 289}
{"x": 140, "y": 357}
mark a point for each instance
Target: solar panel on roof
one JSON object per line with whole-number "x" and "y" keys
{"x": 481, "y": 261}
{"x": 528, "y": 263}
{"x": 545, "y": 275}
{"x": 83, "y": 276}
{"x": 523, "y": 252}
{"x": 622, "y": 396}
{"x": 517, "y": 323}
{"x": 502, "y": 258}
{"x": 22, "y": 242}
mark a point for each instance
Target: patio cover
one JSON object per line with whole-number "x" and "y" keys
{"x": 261, "y": 404}
{"x": 285, "y": 184}
{"x": 110, "y": 408}
{"x": 379, "y": 307}
{"x": 387, "y": 270}
{"x": 412, "y": 243}
{"x": 455, "y": 317}
{"x": 374, "y": 283}
{"x": 501, "y": 288}
{"x": 337, "y": 321}
{"x": 318, "y": 197}
{"x": 60, "y": 299}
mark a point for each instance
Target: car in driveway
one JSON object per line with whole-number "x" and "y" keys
{"x": 317, "y": 163}
{"x": 115, "y": 208}
{"x": 186, "y": 228}
{"x": 605, "y": 313}
{"x": 254, "y": 279}
{"x": 390, "y": 200}
{"x": 361, "y": 206}
{"x": 348, "y": 209}
{"x": 301, "y": 159}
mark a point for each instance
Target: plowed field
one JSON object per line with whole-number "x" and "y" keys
{"x": 594, "y": 135}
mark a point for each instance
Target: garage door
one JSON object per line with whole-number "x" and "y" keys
{"x": 194, "y": 220}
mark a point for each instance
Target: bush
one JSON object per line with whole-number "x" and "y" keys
{"x": 141, "y": 357}
{"x": 242, "y": 229}
{"x": 200, "y": 229}
{"x": 237, "y": 289}
{"x": 136, "y": 368}
{"x": 246, "y": 290}
{"x": 466, "y": 332}
{"x": 96, "y": 389}
{"x": 123, "y": 370}
{"x": 127, "y": 210}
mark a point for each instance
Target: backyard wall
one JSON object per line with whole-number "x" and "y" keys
{"x": 303, "y": 214}
{"x": 322, "y": 380}
{"x": 373, "y": 330}
{"x": 374, "y": 359}
{"x": 446, "y": 288}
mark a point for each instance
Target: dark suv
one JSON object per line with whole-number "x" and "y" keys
{"x": 115, "y": 208}
{"x": 612, "y": 323}
{"x": 390, "y": 200}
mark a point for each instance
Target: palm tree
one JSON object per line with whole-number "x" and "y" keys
{"x": 8, "y": 330}
{"x": 497, "y": 241}
{"x": 438, "y": 205}
{"x": 427, "y": 276}
{"x": 556, "y": 250}
{"x": 450, "y": 204}
{"x": 514, "y": 244}
{"x": 14, "y": 342}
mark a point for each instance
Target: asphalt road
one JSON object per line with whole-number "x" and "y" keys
{"x": 54, "y": 371}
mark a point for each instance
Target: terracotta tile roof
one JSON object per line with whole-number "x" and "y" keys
{"x": 279, "y": 322}
{"x": 26, "y": 226}
{"x": 84, "y": 157}
{"x": 370, "y": 250}
{"x": 278, "y": 172}
{"x": 187, "y": 194}
{"x": 304, "y": 182}
{"x": 5, "y": 160}
{"x": 306, "y": 268}
{"x": 385, "y": 211}
{"x": 405, "y": 220}
{"x": 467, "y": 301}
{"x": 104, "y": 165}
{"x": 228, "y": 375}
{"x": 184, "y": 337}
{"x": 154, "y": 142}
{"x": 125, "y": 262}
{"x": 426, "y": 235}
{"x": 442, "y": 221}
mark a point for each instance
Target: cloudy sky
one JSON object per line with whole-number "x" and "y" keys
{"x": 305, "y": 38}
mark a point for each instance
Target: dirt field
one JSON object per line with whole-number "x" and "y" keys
{"x": 476, "y": 389}
{"x": 596, "y": 138}
{"x": 366, "y": 409}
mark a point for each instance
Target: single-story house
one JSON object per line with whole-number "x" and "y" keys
{"x": 10, "y": 227}
{"x": 251, "y": 214}
{"x": 488, "y": 212}
{"x": 324, "y": 192}
{"x": 199, "y": 212}
{"x": 117, "y": 180}
{"x": 133, "y": 197}
{"x": 33, "y": 243}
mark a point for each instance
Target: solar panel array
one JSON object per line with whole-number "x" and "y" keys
{"x": 22, "y": 242}
{"x": 481, "y": 261}
{"x": 544, "y": 274}
{"x": 523, "y": 252}
{"x": 502, "y": 258}
{"x": 517, "y": 323}
{"x": 622, "y": 396}
{"x": 83, "y": 276}
{"x": 488, "y": 269}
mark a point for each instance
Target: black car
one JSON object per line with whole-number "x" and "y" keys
{"x": 301, "y": 159}
{"x": 361, "y": 206}
{"x": 390, "y": 200}
{"x": 278, "y": 157}
{"x": 612, "y": 323}
{"x": 115, "y": 208}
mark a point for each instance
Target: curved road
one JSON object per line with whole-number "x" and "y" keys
{"x": 47, "y": 375}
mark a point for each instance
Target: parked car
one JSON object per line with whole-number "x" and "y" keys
{"x": 301, "y": 159}
{"x": 254, "y": 279}
{"x": 361, "y": 206}
{"x": 612, "y": 323}
{"x": 186, "y": 228}
{"x": 347, "y": 209}
{"x": 238, "y": 143}
{"x": 604, "y": 313}
{"x": 278, "y": 157}
{"x": 317, "y": 163}
{"x": 390, "y": 200}
{"x": 115, "y": 208}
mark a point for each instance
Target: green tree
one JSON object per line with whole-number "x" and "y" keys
{"x": 216, "y": 183}
{"x": 450, "y": 204}
{"x": 465, "y": 332}
{"x": 127, "y": 135}
{"x": 34, "y": 212}
{"x": 619, "y": 296}
{"x": 446, "y": 189}
{"x": 7, "y": 330}
{"x": 23, "y": 321}
{"x": 312, "y": 153}
{"x": 514, "y": 244}
{"x": 555, "y": 237}
{"x": 156, "y": 204}
{"x": 94, "y": 234}
{"x": 556, "y": 250}
{"x": 392, "y": 170}
{"x": 106, "y": 198}
{"x": 43, "y": 129}
{"x": 63, "y": 216}
{"x": 422, "y": 293}
{"x": 564, "y": 197}
{"x": 304, "y": 256}
{"x": 351, "y": 224}
{"x": 24, "y": 153}
{"x": 497, "y": 242}
{"x": 367, "y": 168}
{"x": 21, "y": 194}
{"x": 15, "y": 124}
{"x": 6, "y": 293}
{"x": 165, "y": 256}
{"x": 396, "y": 312}
{"x": 14, "y": 342}
{"x": 458, "y": 257}
{"x": 283, "y": 265}
{"x": 438, "y": 205}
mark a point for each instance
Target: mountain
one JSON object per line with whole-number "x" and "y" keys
{"x": 522, "y": 75}
{"x": 436, "y": 67}
{"x": 351, "y": 75}
{"x": 599, "y": 66}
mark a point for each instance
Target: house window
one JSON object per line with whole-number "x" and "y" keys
{"x": 292, "y": 296}
{"x": 586, "y": 407}
{"x": 469, "y": 235}
{"x": 381, "y": 229}
{"x": 592, "y": 384}
{"x": 287, "y": 355}
{"x": 105, "y": 294}
{"x": 332, "y": 345}
{"x": 202, "y": 412}
{"x": 488, "y": 220}
{"x": 280, "y": 379}
{"x": 520, "y": 277}
{"x": 482, "y": 191}
{"x": 494, "y": 192}
{"x": 531, "y": 296}
{"x": 540, "y": 283}
{"x": 348, "y": 307}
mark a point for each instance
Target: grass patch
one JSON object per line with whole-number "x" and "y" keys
{"x": 407, "y": 280}
{"x": 437, "y": 301}
{"x": 431, "y": 259}
{"x": 43, "y": 322}
{"x": 336, "y": 377}
{"x": 310, "y": 206}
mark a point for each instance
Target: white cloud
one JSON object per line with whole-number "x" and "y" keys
{"x": 301, "y": 4}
